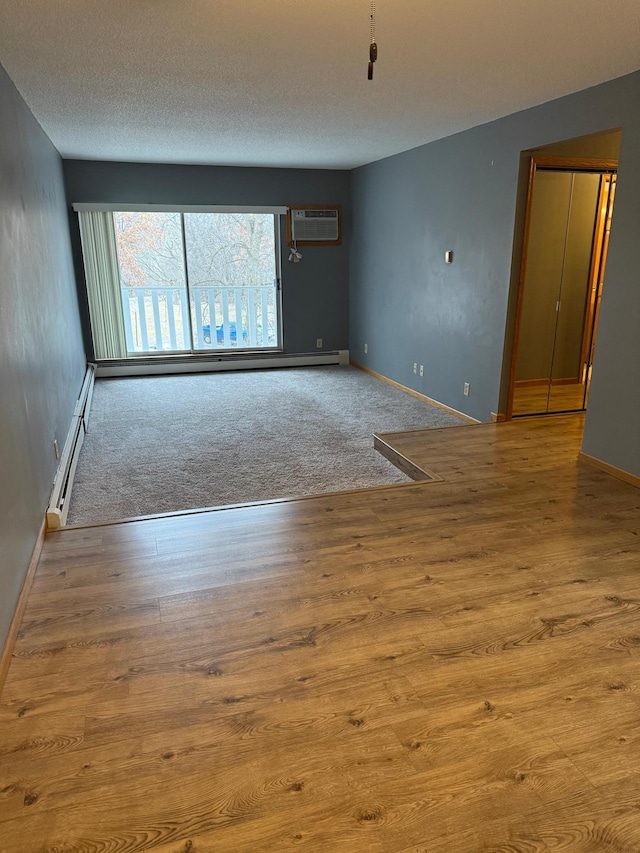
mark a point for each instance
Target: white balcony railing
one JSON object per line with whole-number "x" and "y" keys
{"x": 156, "y": 319}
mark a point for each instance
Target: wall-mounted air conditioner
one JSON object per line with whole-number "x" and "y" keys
{"x": 318, "y": 225}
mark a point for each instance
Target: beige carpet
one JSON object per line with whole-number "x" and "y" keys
{"x": 160, "y": 444}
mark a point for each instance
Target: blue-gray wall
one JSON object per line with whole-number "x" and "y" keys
{"x": 41, "y": 354}
{"x": 460, "y": 193}
{"x": 315, "y": 292}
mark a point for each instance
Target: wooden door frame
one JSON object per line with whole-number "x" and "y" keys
{"x": 584, "y": 164}
{"x": 606, "y": 201}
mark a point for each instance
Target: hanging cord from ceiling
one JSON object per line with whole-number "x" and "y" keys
{"x": 373, "y": 47}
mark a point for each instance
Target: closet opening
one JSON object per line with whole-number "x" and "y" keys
{"x": 567, "y": 225}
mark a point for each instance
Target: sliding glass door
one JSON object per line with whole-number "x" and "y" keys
{"x": 232, "y": 273}
{"x": 153, "y": 282}
{"x": 182, "y": 282}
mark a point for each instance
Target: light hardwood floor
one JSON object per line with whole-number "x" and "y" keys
{"x": 446, "y": 667}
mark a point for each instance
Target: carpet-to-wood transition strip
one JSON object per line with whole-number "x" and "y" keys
{"x": 158, "y": 444}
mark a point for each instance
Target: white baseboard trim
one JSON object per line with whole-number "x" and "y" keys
{"x": 159, "y": 365}
{"x": 56, "y": 515}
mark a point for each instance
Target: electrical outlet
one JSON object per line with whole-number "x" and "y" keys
{"x": 366, "y": 348}
{"x": 55, "y": 448}
{"x": 422, "y": 370}
{"x": 319, "y": 343}
{"x": 415, "y": 367}
{"x": 466, "y": 389}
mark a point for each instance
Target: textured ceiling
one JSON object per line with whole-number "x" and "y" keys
{"x": 283, "y": 82}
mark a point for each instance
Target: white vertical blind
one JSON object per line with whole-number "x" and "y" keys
{"x": 103, "y": 284}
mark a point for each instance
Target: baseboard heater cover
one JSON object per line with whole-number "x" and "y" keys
{"x": 59, "y": 501}
{"x": 242, "y": 361}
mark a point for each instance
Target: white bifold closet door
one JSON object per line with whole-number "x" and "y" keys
{"x": 550, "y": 369}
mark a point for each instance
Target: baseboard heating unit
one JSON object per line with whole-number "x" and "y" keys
{"x": 59, "y": 502}
{"x": 155, "y": 365}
